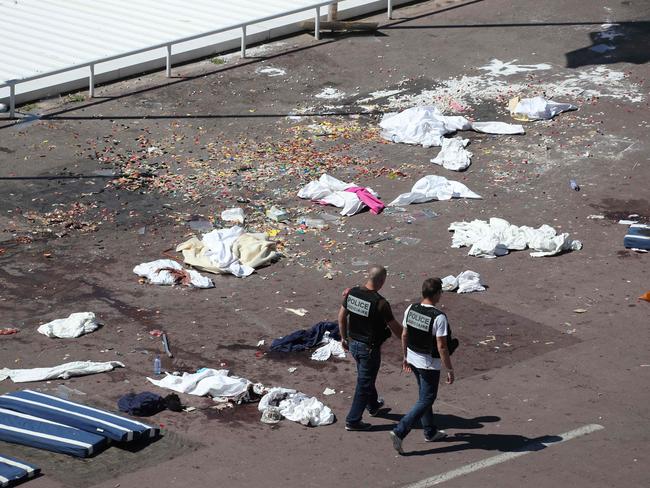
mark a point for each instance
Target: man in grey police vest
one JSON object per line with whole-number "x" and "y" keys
{"x": 365, "y": 322}
{"x": 426, "y": 340}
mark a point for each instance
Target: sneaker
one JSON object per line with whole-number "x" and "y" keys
{"x": 374, "y": 411}
{"x": 358, "y": 426}
{"x": 438, "y": 436}
{"x": 397, "y": 442}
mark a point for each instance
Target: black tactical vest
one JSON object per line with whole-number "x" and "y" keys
{"x": 365, "y": 321}
{"x": 421, "y": 337}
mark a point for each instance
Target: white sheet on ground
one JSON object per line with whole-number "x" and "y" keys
{"x": 159, "y": 273}
{"x": 219, "y": 243}
{"x": 426, "y": 126}
{"x": 432, "y": 187}
{"x": 331, "y": 191}
{"x": 453, "y": 154}
{"x": 496, "y": 237}
{"x": 466, "y": 282}
{"x": 213, "y": 382}
{"x": 537, "y": 108}
{"x": 77, "y": 324}
{"x": 498, "y": 128}
{"x": 330, "y": 347}
{"x": 297, "y": 406}
{"x": 63, "y": 371}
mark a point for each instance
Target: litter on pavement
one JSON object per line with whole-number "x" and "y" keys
{"x": 63, "y": 371}
{"x": 330, "y": 347}
{"x": 432, "y": 187}
{"x": 466, "y": 282}
{"x": 453, "y": 155}
{"x": 637, "y": 237}
{"x": 537, "y": 108}
{"x": 233, "y": 215}
{"x": 426, "y": 126}
{"x": 77, "y": 324}
{"x": 328, "y": 190}
{"x": 498, "y": 236}
{"x": 297, "y": 407}
{"x": 169, "y": 272}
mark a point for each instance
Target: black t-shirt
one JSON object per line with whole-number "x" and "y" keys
{"x": 383, "y": 307}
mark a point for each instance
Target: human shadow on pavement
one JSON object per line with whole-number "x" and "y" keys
{"x": 443, "y": 421}
{"x": 489, "y": 442}
{"x": 617, "y": 43}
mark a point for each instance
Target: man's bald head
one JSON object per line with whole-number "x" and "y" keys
{"x": 376, "y": 276}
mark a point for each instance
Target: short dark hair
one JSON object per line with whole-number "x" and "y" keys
{"x": 431, "y": 287}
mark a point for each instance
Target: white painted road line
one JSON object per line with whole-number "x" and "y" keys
{"x": 501, "y": 458}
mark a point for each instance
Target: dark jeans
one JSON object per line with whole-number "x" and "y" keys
{"x": 422, "y": 410}
{"x": 365, "y": 395}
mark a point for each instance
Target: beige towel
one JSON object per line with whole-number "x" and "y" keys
{"x": 250, "y": 249}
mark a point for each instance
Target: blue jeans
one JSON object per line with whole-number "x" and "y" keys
{"x": 365, "y": 395}
{"x": 422, "y": 410}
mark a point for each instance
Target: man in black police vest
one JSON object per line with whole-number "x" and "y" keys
{"x": 426, "y": 342}
{"x": 365, "y": 322}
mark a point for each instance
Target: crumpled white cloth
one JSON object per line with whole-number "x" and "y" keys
{"x": 156, "y": 273}
{"x": 213, "y": 382}
{"x": 426, "y": 126}
{"x": 330, "y": 347}
{"x": 331, "y": 191}
{"x": 77, "y": 324}
{"x": 219, "y": 243}
{"x": 466, "y": 282}
{"x": 432, "y": 187}
{"x": 453, "y": 154}
{"x": 498, "y": 128}
{"x": 63, "y": 371}
{"x": 538, "y": 108}
{"x": 297, "y": 406}
{"x": 496, "y": 237}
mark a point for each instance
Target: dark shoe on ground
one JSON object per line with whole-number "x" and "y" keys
{"x": 397, "y": 442}
{"x": 374, "y": 411}
{"x": 438, "y": 436}
{"x": 358, "y": 426}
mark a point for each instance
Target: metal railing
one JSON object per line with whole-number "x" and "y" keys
{"x": 168, "y": 49}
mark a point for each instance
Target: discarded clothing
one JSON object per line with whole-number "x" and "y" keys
{"x": 453, "y": 154}
{"x": 215, "y": 383}
{"x": 331, "y": 191}
{"x": 433, "y": 187}
{"x": 372, "y": 202}
{"x": 297, "y": 407}
{"x": 498, "y": 236}
{"x": 301, "y": 340}
{"x": 331, "y": 347}
{"x": 228, "y": 251}
{"x": 77, "y": 324}
{"x": 426, "y": 126}
{"x": 169, "y": 272}
{"x": 537, "y": 108}
{"x": 466, "y": 282}
{"x": 63, "y": 371}
{"x": 141, "y": 404}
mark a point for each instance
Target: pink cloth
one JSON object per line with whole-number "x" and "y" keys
{"x": 374, "y": 203}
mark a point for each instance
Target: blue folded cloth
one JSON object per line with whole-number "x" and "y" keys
{"x": 302, "y": 340}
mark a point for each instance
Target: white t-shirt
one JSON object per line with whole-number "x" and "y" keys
{"x": 426, "y": 361}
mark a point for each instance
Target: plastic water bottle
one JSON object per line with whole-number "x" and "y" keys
{"x": 156, "y": 366}
{"x": 574, "y": 185}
